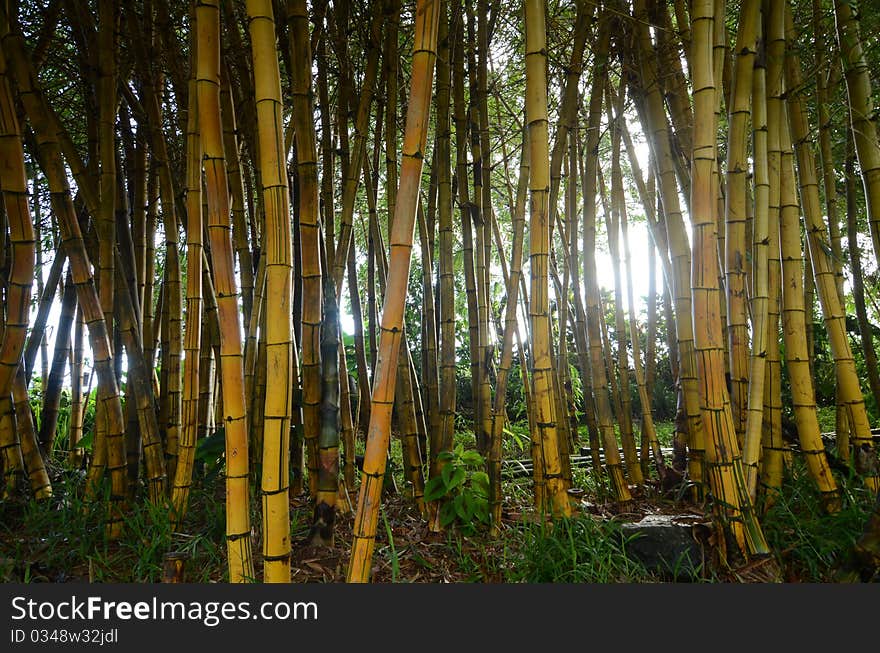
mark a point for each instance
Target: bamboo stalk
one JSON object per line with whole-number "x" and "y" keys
{"x": 539, "y": 247}
{"x": 862, "y": 110}
{"x": 832, "y": 309}
{"x": 238, "y": 531}
{"x": 723, "y": 458}
{"x": 13, "y": 188}
{"x": 415, "y": 136}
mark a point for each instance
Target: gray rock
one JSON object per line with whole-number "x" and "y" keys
{"x": 669, "y": 545}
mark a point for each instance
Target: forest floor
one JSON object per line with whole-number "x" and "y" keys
{"x": 61, "y": 540}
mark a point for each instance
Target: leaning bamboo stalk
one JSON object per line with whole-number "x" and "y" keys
{"x": 238, "y": 538}
{"x": 106, "y": 93}
{"x": 415, "y": 136}
{"x": 797, "y": 358}
{"x": 826, "y": 68}
{"x": 760, "y": 293}
{"x": 736, "y": 196}
{"x": 52, "y": 389}
{"x": 140, "y": 393}
{"x": 858, "y": 281}
{"x": 72, "y": 241}
{"x": 723, "y": 457}
{"x": 14, "y": 192}
{"x": 510, "y": 324}
{"x": 10, "y": 449}
{"x": 34, "y": 464}
{"x": 653, "y": 119}
{"x": 249, "y": 295}
{"x": 406, "y": 399}
{"x": 849, "y": 389}
{"x": 339, "y": 257}
{"x": 47, "y": 298}
{"x": 38, "y": 270}
{"x": 861, "y": 108}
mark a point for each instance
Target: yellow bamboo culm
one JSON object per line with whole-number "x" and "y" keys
{"x": 414, "y": 140}
{"x": 797, "y": 358}
{"x": 277, "y": 249}
{"x": 192, "y": 336}
{"x": 862, "y": 110}
{"x": 309, "y": 234}
{"x": 539, "y": 255}
{"x": 736, "y": 212}
{"x": 760, "y": 280}
{"x": 13, "y": 188}
{"x": 442, "y": 160}
{"x": 848, "y": 386}
{"x": 655, "y": 125}
{"x": 238, "y": 527}
{"x": 723, "y": 458}
{"x": 773, "y": 446}
{"x": 111, "y": 456}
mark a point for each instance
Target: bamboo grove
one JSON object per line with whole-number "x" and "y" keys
{"x": 309, "y": 229}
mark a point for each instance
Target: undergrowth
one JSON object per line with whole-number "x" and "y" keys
{"x": 576, "y": 550}
{"x": 810, "y": 543}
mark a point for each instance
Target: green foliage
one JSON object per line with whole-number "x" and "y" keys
{"x": 463, "y": 487}
{"x": 808, "y": 541}
{"x": 577, "y": 550}
{"x": 209, "y": 456}
{"x": 62, "y": 539}
{"x": 517, "y": 441}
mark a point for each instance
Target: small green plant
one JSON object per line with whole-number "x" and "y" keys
{"x": 395, "y": 560}
{"x": 464, "y": 488}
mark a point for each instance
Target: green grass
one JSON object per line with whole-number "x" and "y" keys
{"x": 809, "y": 543}
{"x": 576, "y": 550}
{"x": 62, "y": 539}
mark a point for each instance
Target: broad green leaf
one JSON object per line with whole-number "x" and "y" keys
{"x": 480, "y": 483}
{"x": 453, "y": 476}
{"x": 472, "y": 458}
{"x": 461, "y": 508}
{"x": 447, "y": 514}
{"x": 445, "y": 456}
{"x": 85, "y": 442}
{"x": 435, "y": 489}
{"x": 481, "y": 510}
